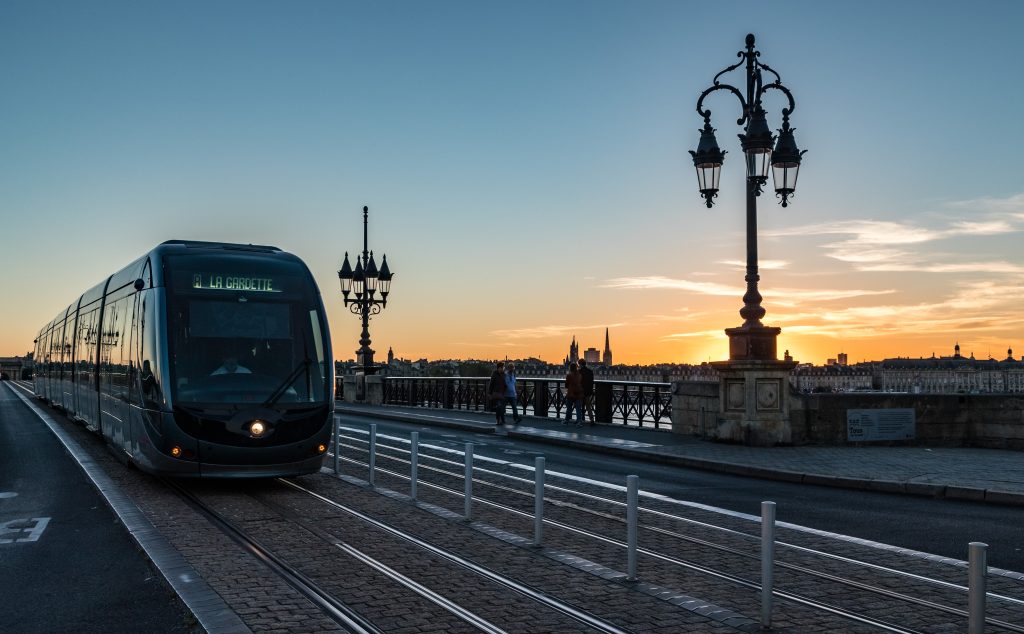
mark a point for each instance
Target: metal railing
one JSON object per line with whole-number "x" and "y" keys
{"x": 625, "y": 402}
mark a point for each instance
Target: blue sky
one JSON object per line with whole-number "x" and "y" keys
{"x": 525, "y": 163}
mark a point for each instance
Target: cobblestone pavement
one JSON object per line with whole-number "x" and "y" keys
{"x": 969, "y": 473}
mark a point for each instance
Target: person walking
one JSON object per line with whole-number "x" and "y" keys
{"x": 510, "y": 392}
{"x": 588, "y": 390}
{"x": 574, "y": 395}
{"x": 496, "y": 393}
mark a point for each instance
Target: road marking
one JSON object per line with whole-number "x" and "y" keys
{"x": 7, "y": 494}
{"x": 34, "y": 527}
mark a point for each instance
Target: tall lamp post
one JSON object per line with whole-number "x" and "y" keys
{"x": 365, "y": 281}
{"x": 753, "y": 340}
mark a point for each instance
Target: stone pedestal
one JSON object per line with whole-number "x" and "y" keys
{"x": 374, "y": 389}
{"x": 754, "y": 401}
{"x": 350, "y": 388}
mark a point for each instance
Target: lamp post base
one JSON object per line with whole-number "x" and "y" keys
{"x": 753, "y": 343}
{"x": 754, "y": 402}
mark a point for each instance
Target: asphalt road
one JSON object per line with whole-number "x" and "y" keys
{"x": 940, "y": 526}
{"x": 67, "y": 564}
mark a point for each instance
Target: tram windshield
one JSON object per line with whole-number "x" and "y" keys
{"x": 244, "y": 329}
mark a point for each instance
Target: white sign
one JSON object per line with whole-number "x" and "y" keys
{"x": 880, "y": 424}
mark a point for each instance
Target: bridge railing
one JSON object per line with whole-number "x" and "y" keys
{"x": 624, "y": 402}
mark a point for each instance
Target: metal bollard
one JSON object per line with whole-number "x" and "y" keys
{"x": 373, "y": 452}
{"x": 337, "y": 444}
{"x": 469, "y": 482}
{"x": 632, "y": 494}
{"x": 414, "y": 463}
{"x": 538, "y": 500}
{"x": 767, "y": 561}
{"x": 977, "y": 572}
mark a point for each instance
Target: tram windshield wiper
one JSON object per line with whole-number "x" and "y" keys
{"x": 288, "y": 380}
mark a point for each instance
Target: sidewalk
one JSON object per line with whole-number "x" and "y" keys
{"x": 981, "y": 475}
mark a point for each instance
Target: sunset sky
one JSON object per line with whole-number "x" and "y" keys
{"x": 526, "y": 166}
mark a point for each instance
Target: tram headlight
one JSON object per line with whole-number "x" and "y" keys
{"x": 176, "y": 451}
{"x": 321, "y": 448}
{"x": 257, "y": 428}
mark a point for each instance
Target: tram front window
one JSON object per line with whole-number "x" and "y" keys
{"x": 241, "y": 346}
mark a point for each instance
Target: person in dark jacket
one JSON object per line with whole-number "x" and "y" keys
{"x": 588, "y": 390}
{"x": 574, "y": 395}
{"x": 496, "y": 393}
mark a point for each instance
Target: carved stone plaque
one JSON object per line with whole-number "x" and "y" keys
{"x": 768, "y": 394}
{"x": 734, "y": 394}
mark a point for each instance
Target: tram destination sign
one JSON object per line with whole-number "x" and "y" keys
{"x": 215, "y": 282}
{"x": 880, "y": 424}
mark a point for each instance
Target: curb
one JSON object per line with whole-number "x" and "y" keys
{"x": 920, "y": 489}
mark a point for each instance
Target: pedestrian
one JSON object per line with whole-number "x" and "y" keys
{"x": 496, "y": 393}
{"x": 588, "y": 390}
{"x": 510, "y": 391}
{"x": 574, "y": 395}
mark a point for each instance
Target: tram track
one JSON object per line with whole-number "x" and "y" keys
{"x": 345, "y": 616}
{"x": 691, "y": 565}
{"x": 581, "y": 616}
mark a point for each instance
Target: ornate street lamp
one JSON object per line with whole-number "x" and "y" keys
{"x": 364, "y": 282}
{"x": 752, "y": 340}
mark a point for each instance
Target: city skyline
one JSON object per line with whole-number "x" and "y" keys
{"x": 528, "y": 164}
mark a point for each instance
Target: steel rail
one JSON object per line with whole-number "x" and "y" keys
{"x": 797, "y": 568}
{"x": 523, "y": 589}
{"x": 454, "y": 608}
{"x": 340, "y": 613}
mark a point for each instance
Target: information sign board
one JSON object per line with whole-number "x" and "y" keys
{"x": 880, "y": 424}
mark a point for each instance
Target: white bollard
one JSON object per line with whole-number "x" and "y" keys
{"x": 414, "y": 463}
{"x": 538, "y": 500}
{"x": 373, "y": 452}
{"x": 767, "y": 561}
{"x": 337, "y": 444}
{"x": 632, "y": 495}
{"x": 977, "y": 572}
{"x": 469, "y": 482}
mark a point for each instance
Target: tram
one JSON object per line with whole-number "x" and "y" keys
{"x": 198, "y": 359}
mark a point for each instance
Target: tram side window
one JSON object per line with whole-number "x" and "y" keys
{"x": 121, "y": 356}
{"x": 150, "y": 382}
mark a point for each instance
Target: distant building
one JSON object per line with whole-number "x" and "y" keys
{"x": 574, "y": 352}
{"x": 590, "y": 355}
{"x": 954, "y": 374}
{"x": 842, "y": 359}
{"x": 834, "y": 377}
{"x": 12, "y": 368}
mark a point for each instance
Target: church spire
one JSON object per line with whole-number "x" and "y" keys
{"x": 607, "y": 359}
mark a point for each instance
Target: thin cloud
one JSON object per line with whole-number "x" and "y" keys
{"x": 542, "y": 332}
{"x": 864, "y": 232}
{"x": 659, "y": 282}
{"x": 962, "y": 267}
{"x": 767, "y": 265}
{"x": 723, "y": 290}
{"x": 688, "y": 335}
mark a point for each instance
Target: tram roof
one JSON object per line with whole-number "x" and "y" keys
{"x": 229, "y": 246}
